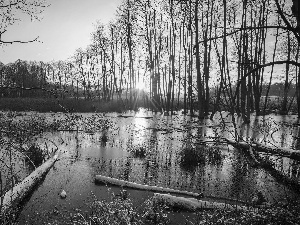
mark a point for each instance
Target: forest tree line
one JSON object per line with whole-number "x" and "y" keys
{"x": 203, "y": 54}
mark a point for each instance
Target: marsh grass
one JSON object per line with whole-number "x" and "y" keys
{"x": 21, "y": 127}
{"x": 120, "y": 210}
{"x": 214, "y": 155}
{"x": 277, "y": 214}
{"x": 139, "y": 151}
{"x": 10, "y": 218}
{"x": 192, "y": 156}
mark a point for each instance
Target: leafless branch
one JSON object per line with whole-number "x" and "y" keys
{"x": 22, "y": 42}
{"x": 236, "y": 30}
{"x": 266, "y": 65}
{"x": 10, "y": 5}
{"x": 287, "y": 23}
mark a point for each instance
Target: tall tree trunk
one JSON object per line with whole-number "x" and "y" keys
{"x": 286, "y": 82}
{"x": 198, "y": 69}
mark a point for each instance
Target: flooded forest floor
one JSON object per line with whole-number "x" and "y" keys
{"x": 177, "y": 151}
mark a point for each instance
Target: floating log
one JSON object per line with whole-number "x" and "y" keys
{"x": 192, "y": 204}
{"x": 123, "y": 183}
{"x": 16, "y": 194}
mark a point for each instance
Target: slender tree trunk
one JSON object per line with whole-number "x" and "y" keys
{"x": 198, "y": 69}
{"x": 286, "y": 82}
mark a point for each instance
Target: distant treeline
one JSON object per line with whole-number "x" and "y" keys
{"x": 32, "y": 79}
{"x": 23, "y": 79}
{"x": 210, "y": 56}
{"x": 277, "y": 89}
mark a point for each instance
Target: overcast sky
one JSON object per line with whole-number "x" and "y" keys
{"x": 66, "y": 26}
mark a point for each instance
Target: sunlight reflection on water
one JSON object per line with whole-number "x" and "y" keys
{"x": 140, "y": 125}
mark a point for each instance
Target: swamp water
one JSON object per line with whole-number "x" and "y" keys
{"x": 160, "y": 150}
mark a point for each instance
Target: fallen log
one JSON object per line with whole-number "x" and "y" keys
{"x": 285, "y": 152}
{"x": 252, "y": 155}
{"x": 123, "y": 183}
{"x": 278, "y": 175}
{"x": 192, "y": 204}
{"x": 16, "y": 194}
{"x": 266, "y": 163}
{"x": 245, "y": 146}
{"x": 240, "y": 144}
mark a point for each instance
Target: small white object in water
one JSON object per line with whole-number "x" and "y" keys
{"x": 63, "y": 194}
{"x": 255, "y": 200}
{"x": 55, "y": 157}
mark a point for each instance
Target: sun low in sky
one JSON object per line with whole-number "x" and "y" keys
{"x": 65, "y": 26}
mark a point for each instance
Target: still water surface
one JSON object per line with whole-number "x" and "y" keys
{"x": 155, "y": 149}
